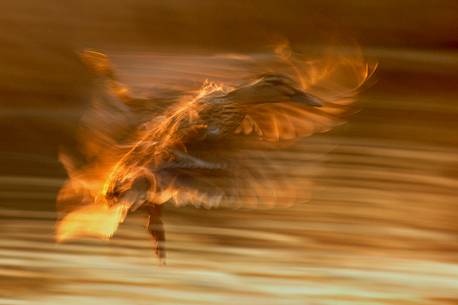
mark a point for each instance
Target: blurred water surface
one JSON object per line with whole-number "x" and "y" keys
{"x": 381, "y": 226}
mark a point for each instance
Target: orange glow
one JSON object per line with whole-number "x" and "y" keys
{"x": 97, "y": 221}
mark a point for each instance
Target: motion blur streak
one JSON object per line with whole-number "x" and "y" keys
{"x": 381, "y": 227}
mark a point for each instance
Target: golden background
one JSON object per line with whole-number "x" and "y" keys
{"x": 381, "y": 227}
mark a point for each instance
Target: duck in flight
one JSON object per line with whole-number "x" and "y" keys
{"x": 198, "y": 149}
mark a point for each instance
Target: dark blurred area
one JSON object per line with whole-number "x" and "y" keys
{"x": 41, "y": 74}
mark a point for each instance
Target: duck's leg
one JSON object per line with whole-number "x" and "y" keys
{"x": 156, "y": 229}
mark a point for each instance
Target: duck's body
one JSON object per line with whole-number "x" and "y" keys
{"x": 145, "y": 176}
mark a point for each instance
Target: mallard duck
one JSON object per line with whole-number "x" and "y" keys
{"x": 196, "y": 149}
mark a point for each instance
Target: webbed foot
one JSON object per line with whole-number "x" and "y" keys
{"x": 155, "y": 227}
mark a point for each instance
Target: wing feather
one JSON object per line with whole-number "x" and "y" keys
{"x": 275, "y": 110}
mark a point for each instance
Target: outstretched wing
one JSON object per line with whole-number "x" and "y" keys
{"x": 243, "y": 166}
{"x": 115, "y": 114}
{"x": 275, "y": 109}
{"x": 249, "y": 167}
{"x": 280, "y": 108}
